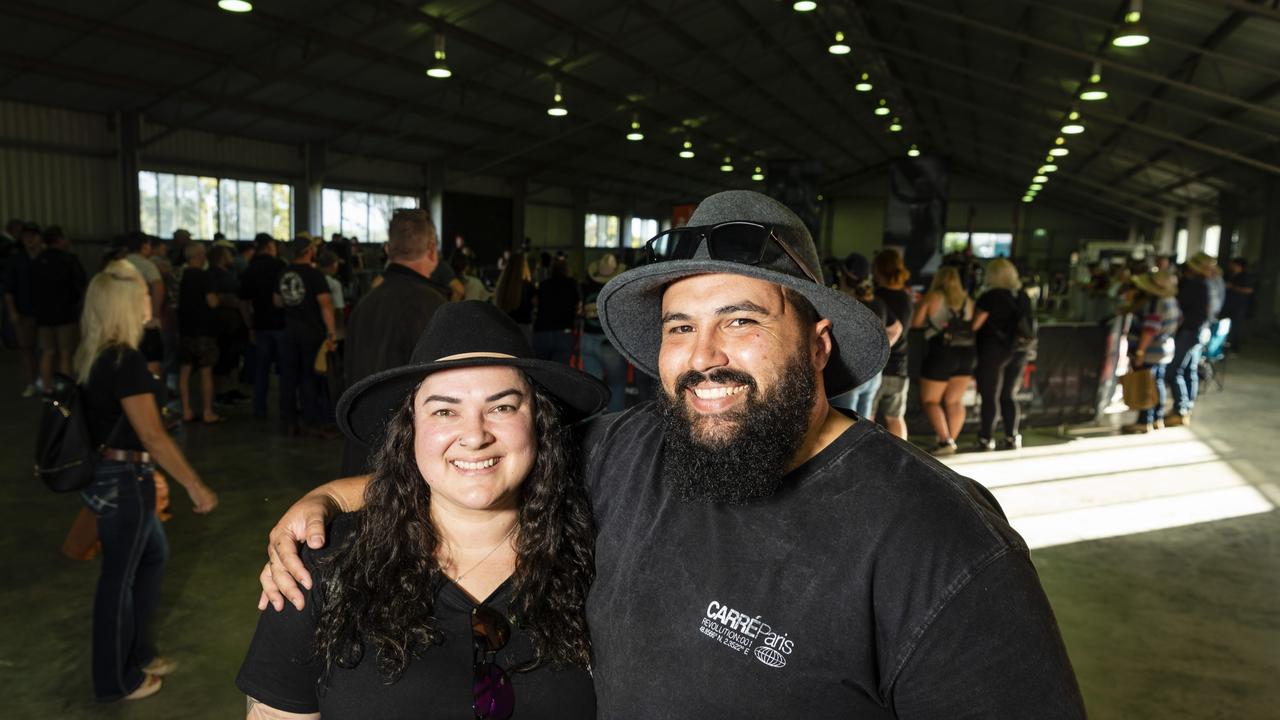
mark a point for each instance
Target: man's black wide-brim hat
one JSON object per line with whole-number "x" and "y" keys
{"x": 630, "y": 305}
{"x": 464, "y": 334}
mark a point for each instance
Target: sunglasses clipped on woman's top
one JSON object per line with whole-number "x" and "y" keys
{"x": 494, "y": 698}
{"x": 745, "y": 243}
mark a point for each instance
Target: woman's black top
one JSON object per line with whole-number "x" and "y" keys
{"x": 282, "y": 672}
{"x": 1001, "y": 328}
{"x": 119, "y": 372}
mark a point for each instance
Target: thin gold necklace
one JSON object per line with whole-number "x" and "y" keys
{"x": 487, "y": 555}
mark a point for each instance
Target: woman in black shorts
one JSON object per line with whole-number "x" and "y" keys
{"x": 946, "y": 314}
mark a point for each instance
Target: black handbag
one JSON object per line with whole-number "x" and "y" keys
{"x": 65, "y": 453}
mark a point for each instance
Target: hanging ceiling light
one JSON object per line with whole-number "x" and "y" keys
{"x": 838, "y": 47}
{"x": 1036, "y": 186}
{"x": 635, "y": 135}
{"x": 1027, "y": 198}
{"x": 1058, "y": 149}
{"x": 864, "y": 83}
{"x": 686, "y": 150}
{"x": 439, "y": 69}
{"x": 882, "y": 108}
{"x": 557, "y": 108}
{"x": 727, "y": 164}
{"x": 914, "y": 151}
{"x": 895, "y": 126}
{"x": 1093, "y": 90}
{"x": 804, "y": 6}
{"x": 1073, "y": 125}
{"x": 1040, "y": 179}
{"x": 1048, "y": 167}
{"x": 1132, "y": 32}
{"x": 235, "y": 6}
{"x": 758, "y": 175}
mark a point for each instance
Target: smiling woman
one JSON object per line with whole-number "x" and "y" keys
{"x": 469, "y": 564}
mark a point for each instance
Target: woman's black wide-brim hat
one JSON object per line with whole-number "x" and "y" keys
{"x": 630, "y": 305}
{"x": 464, "y": 334}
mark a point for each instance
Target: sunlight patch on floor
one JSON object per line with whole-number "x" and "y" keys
{"x": 1113, "y": 486}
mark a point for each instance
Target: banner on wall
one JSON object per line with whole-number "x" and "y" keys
{"x": 680, "y": 214}
{"x": 916, "y": 213}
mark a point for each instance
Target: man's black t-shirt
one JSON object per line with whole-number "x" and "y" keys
{"x": 901, "y": 307}
{"x": 57, "y": 286}
{"x": 1236, "y": 305}
{"x": 195, "y": 317}
{"x": 259, "y": 284}
{"x": 119, "y": 372}
{"x": 1194, "y": 301}
{"x": 299, "y": 287}
{"x": 876, "y": 583}
{"x": 281, "y": 670}
{"x": 557, "y": 304}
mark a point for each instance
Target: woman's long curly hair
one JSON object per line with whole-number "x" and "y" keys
{"x": 378, "y": 591}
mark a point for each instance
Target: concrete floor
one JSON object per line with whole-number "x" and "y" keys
{"x": 1160, "y": 556}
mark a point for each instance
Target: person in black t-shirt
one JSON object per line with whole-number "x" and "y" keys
{"x": 599, "y": 357}
{"x": 1239, "y": 301}
{"x": 891, "y": 277}
{"x": 759, "y": 554}
{"x": 258, "y": 298}
{"x": 122, "y": 411}
{"x": 558, "y": 304}
{"x": 855, "y": 281}
{"x": 57, "y": 292}
{"x": 480, "y": 532}
{"x": 309, "y": 323}
{"x": 1000, "y": 361}
{"x": 19, "y": 305}
{"x": 1195, "y": 300}
{"x": 197, "y": 333}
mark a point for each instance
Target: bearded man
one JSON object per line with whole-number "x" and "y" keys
{"x": 760, "y": 553}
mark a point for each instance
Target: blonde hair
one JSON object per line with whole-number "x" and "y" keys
{"x": 1004, "y": 275}
{"x": 115, "y": 310}
{"x": 946, "y": 282}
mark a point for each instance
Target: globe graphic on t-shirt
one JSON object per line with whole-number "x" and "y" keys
{"x": 292, "y": 290}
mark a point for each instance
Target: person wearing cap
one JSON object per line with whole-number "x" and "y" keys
{"x": 599, "y": 357}
{"x": 1155, "y": 317}
{"x": 1200, "y": 307}
{"x": 760, "y": 554}
{"x": 178, "y": 250}
{"x": 469, "y": 563}
{"x": 140, "y": 248}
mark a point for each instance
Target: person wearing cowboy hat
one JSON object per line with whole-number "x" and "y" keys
{"x": 598, "y": 356}
{"x": 760, "y": 554}
{"x": 469, "y": 563}
{"x": 1200, "y": 295}
{"x": 1154, "y": 308}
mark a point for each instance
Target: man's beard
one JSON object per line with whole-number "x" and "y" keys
{"x": 740, "y": 455}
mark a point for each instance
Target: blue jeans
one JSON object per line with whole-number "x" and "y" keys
{"x": 1186, "y": 369}
{"x": 134, "y": 551}
{"x": 862, "y": 399}
{"x": 599, "y": 358}
{"x": 1151, "y": 414}
{"x": 553, "y": 345}
{"x": 267, "y": 348}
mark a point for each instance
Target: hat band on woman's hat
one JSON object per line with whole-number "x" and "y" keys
{"x": 474, "y": 355}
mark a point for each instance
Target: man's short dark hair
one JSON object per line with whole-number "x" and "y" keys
{"x": 326, "y": 258}
{"x": 1243, "y": 263}
{"x": 30, "y": 227}
{"x": 261, "y": 240}
{"x": 411, "y": 234}
{"x": 134, "y": 241}
{"x": 53, "y": 233}
{"x": 805, "y": 310}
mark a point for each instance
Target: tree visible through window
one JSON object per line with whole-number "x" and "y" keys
{"x": 239, "y": 209}
{"x": 363, "y": 215}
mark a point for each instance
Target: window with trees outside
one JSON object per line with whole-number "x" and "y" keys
{"x": 362, "y": 215}
{"x": 239, "y": 209}
{"x": 642, "y": 229}
{"x": 603, "y": 231}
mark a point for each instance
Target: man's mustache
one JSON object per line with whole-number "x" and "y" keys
{"x": 721, "y": 376}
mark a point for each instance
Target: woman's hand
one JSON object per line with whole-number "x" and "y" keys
{"x": 304, "y": 521}
{"x": 203, "y": 498}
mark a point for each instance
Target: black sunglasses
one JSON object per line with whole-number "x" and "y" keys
{"x": 746, "y": 243}
{"x": 494, "y": 698}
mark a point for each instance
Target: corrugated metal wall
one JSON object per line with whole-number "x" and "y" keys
{"x": 194, "y": 152}
{"x": 58, "y": 167}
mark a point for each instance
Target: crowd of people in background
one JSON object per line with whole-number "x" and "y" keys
{"x": 230, "y": 315}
